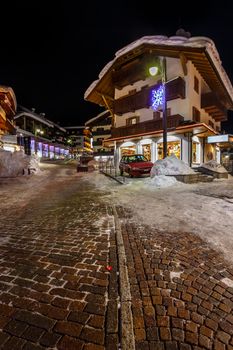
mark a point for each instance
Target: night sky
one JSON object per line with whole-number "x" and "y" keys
{"x": 51, "y": 51}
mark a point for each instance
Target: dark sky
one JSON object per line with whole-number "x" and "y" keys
{"x": 51, "y": 51}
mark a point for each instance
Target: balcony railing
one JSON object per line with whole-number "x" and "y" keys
{"x": 148, "y": 126}
{"x": 142, "y": 99}
{"x": 101, "y": 132}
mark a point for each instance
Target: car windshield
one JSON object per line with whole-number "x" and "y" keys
{"x": 136, "y": 158}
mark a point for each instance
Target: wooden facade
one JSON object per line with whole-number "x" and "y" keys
{"x": 8, "y": 108}
{"x": 142, "y": 99}
{"x": 147, "y": 126}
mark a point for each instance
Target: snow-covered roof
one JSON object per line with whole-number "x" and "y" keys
{"x": 97, "y": 117}
{"x": 34, "y": 116}
{"x": 173, "y": 41}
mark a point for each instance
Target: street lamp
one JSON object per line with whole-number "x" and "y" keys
{"x": 159, "y": 97}
{"x": 39, "y": 131}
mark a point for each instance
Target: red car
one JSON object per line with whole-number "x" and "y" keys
{"x": 135, "y": 165}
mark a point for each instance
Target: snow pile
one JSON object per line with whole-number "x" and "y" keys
{"x": 34, "y": 161}
{"x": 162, "y": 181}
{"x": 93, "y": 164}
{"x": 170, "y": 166}
{"x": 16, "y": 163}
{"x": 214, "y": 166}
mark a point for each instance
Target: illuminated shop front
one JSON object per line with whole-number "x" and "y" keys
{"x": 51, "y": 152}
{"x": 128, "y": 148}
{"x": 173, "y": 147}
{"x": 146, "y": 151}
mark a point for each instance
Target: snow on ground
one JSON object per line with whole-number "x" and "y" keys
{"x": 204, "y": 209}
{"x": 170, "y": 166}
{"x": 213, "y": 165}
{"x": 17, "y": 163}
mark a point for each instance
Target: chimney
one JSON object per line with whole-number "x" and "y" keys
{"x": 182, "y": 32}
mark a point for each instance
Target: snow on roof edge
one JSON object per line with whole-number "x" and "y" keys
{"x": 198, "y": 42}
{"x": 96, "y": 117}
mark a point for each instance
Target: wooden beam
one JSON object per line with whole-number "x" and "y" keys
{"x": 183, "y": 61}
{"x": 110, "y": 110}
{"x": 108, "y": 96}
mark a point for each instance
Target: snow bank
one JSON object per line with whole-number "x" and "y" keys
{"x": 162, "y": 181}
{"x": 17, "y": 163}
{"x": 170, "y": 166}
{"x": 213, "y": 165}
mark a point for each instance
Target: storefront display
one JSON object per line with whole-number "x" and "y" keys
{"x": 172, "y": 148}
{"x": 128, "y": 150}
{"x": 146, "y": 151}
{"x": 196, "y": 152}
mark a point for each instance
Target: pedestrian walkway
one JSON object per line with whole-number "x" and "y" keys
{"x": 181, "y": 290}
{"x": 77, "y": 273}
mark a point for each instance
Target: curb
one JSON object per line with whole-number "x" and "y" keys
{"x": 126, "y": 332}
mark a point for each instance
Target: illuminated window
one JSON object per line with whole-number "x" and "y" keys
{"x": 132, "y": 120}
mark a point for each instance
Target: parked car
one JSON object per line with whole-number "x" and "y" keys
{"x": 135, "y": 165}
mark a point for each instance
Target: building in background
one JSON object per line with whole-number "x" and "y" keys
{"x": 101, "y": 126}
{"x": 198, "y": 94}
{"x": 8, "y": 106}
{"x": 39, "y": 135}
{"x": 79, "y": 139}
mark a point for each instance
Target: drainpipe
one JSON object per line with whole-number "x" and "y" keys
{"x": 190, "y": 148}
{"x": 203, "y": 150}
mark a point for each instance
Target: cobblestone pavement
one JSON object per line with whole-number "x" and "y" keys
{"x": 55, "y": 290}
{"x": 181, "y": 290}
{"x": 59, "y": 273}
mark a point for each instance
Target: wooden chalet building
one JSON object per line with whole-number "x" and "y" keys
{"x": 79, "y": 140}
{"x": 8, "y": 106}
{"x": 101, "y": 126}
{"x": 39, "y": 135}
{"x": 198, "y": 95}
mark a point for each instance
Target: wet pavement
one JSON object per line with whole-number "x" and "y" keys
{"x": 76, "y": 273}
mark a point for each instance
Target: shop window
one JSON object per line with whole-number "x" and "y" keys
{"x": 196, "y": 85}
{"x": 146, "y": 151}
{"x": 132, "y": 121}
{"x": 196, "y": 114}
{"x": 128, "y": 150}
{"x": 195, "y": 152}
{"x": 172, "y": 148}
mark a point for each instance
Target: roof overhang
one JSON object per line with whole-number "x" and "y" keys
{"x": 200, "y": 50}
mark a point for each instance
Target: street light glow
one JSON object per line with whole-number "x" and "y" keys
{"x": 153, "y": 71}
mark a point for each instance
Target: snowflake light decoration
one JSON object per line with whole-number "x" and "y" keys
{"x": 157, "y": 97}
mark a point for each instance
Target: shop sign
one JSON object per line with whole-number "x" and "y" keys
{"x": 218, "y": 138}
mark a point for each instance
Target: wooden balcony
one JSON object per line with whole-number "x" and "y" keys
{"x": 211, "y": 104}
{"x": 101, "y": 132}
{"x": 142, "y": 99}
{"x": 148, "y": 126}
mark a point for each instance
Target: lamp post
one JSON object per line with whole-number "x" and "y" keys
{"x": 153, "y": 70}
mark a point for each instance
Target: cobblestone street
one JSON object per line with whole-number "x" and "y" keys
{"x": 63, "y": 248}
{"x": 54, "y": 253}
